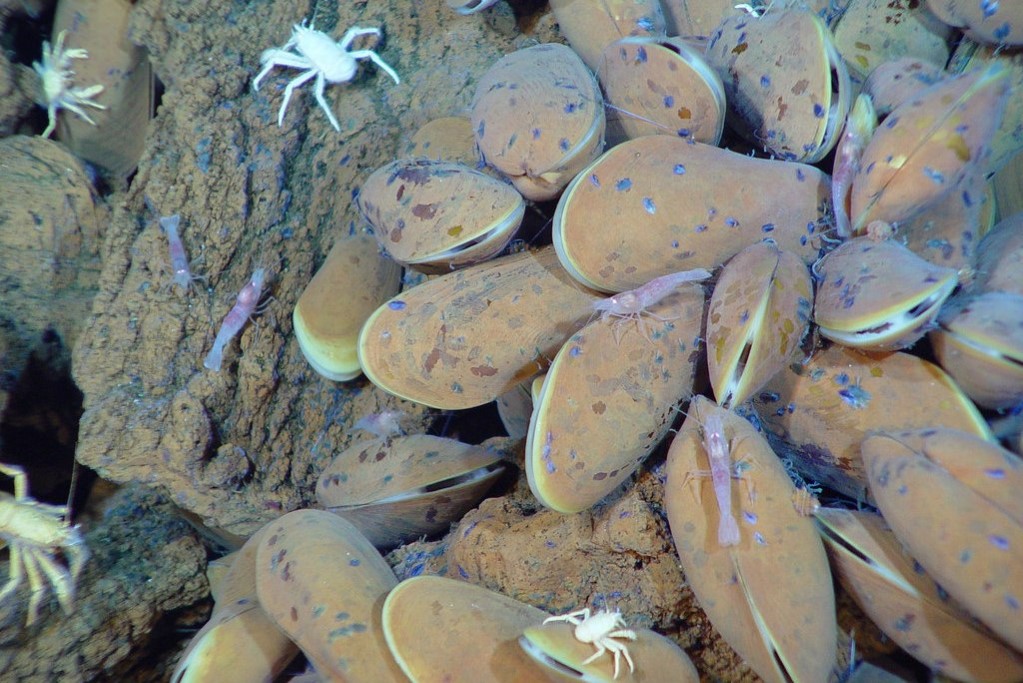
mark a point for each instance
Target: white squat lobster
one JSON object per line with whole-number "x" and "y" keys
{"x": 320, "y": 56}
{"x": 601, "y": 629}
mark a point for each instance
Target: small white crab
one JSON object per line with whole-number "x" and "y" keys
{"x": 320, "y": 56}
{"x": 55, "y": 72}
{"x": 34, "y": 531}
{"x": 601, "y": 629}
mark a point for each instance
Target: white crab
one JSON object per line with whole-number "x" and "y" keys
{"x": 320, "y": 56}
{"x": 34, "y": 530}
{"x": 601, "y": 629}
{"x": 55, "y": 72}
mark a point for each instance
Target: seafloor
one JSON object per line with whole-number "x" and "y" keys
{"x": 102, "y": 357}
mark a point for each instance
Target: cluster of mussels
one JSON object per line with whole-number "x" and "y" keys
{"x": 902, "y": 240}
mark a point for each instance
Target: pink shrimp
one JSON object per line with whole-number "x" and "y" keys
{"x": 859, "y": 126}
{"x": 716, "y": 445}
{"x": 236, "y": 318}
{"x": 179, "y": 261}
{"x": 631, "y": 304}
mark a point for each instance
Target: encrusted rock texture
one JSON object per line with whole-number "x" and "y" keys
{"x": 239, "y": 446}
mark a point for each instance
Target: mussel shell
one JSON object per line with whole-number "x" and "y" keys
{"x": 787, "y": 87}
{"x": 661, "y": 86}
{"x": 819, "y": 411}
{"x": 924, "y": 148}
{"x": 873, "y": 31}
{"x": 327, "y": 324}
{"x": 538, "y": 117}
{"x": 998, "y": 23}
{"x": 947, "y": 232}
{"x": 953, "y": 500}
{"x": 239, "y": 642}
{"x": 1000, "y": 258}
{"x": 555, "y": 647}
{"x": 662, "y": 207}
{"x": 687, "y": 18}
{"x": 446, "y": 631}
{"x": 771, "y": 595}
{"x": 758, "y": 315}
{"x": 448, "y": 138}
{"x": 893, "y": 82}
{"x": 980, "y": 343}
{"x": 592, "y": 25}
{"x": 878, "y": 296}
{"x": 323, "y": 583}
{"x": 397, "y": 489}
{"x": 1008, "y": 139}
{"x": 908, "y": 605}
{"x": 609, "y": 398}
{"x": 438, "y": 215}
{"x": 463, "y": 339}
{"x": 514, "y": 408}
{"x": 122, "y": 67}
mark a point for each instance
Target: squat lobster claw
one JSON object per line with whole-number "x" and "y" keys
{"x": 34, "y": 530}
{"x": 601, "y": 629}
{"x": 322, "y": 58}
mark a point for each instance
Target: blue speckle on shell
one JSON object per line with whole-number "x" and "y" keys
{"x": 818, "y": 110}
{"x": 649, "y": 206}
{"x": 1000, "y": 542}
{"x": 679, "y": 169}
{"x": 765, "y": 81}
{"x": 989, "y": 7}
{"x": 855, "y": 395}
{"x": 641, "y": 55}
{"x": 669, "y": 101}
{"x": 623, "y": 184}
{"x": 594, "y": 180}
{"x": 396, "y": 305}
{"x": 936, "y": 176}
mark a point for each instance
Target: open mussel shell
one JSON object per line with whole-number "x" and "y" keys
{"x": 327, "y": 324}
{"x": 117, "y": 140}
{"x": 538, "y": 117}
{"x": 555, "y": 648}
{"x": 323, "y": 583}
{"x": 1000, "y": 258}
{"x": 397, "y": 489}
{"x": 980, "y": 343}
{"x": 465, "y": 338}
{"x": 446, "y": 631}
{"x": 908, "y": 605}
{"x": 438, "y": 215}
{"x": 592, "y": 25}
{"x": 770, "y": 596}
{"x": 660, "y": 86}
{"x": 787, "y": 87}
{"x": 633, "y": 192}
{"x": 926, "y": 146}
{"x": 239, "y": 642}
{"x": 609, "y": 398}
{"x": 878, "y": 296}
{"x": 953, "y": 500}
{"x": 989, "y": 21}
{"x": 818, "y": 412}
{"x": 873, "y": 31}
{"x": 758, "y": 315}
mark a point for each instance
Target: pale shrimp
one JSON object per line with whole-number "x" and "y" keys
{"x": 179, "y": 260}
{"x": 718, "y": 452}
{"x": 631, "y": 304}
{"x": 235, "y": 319}
{"x": 859, "y": 127}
